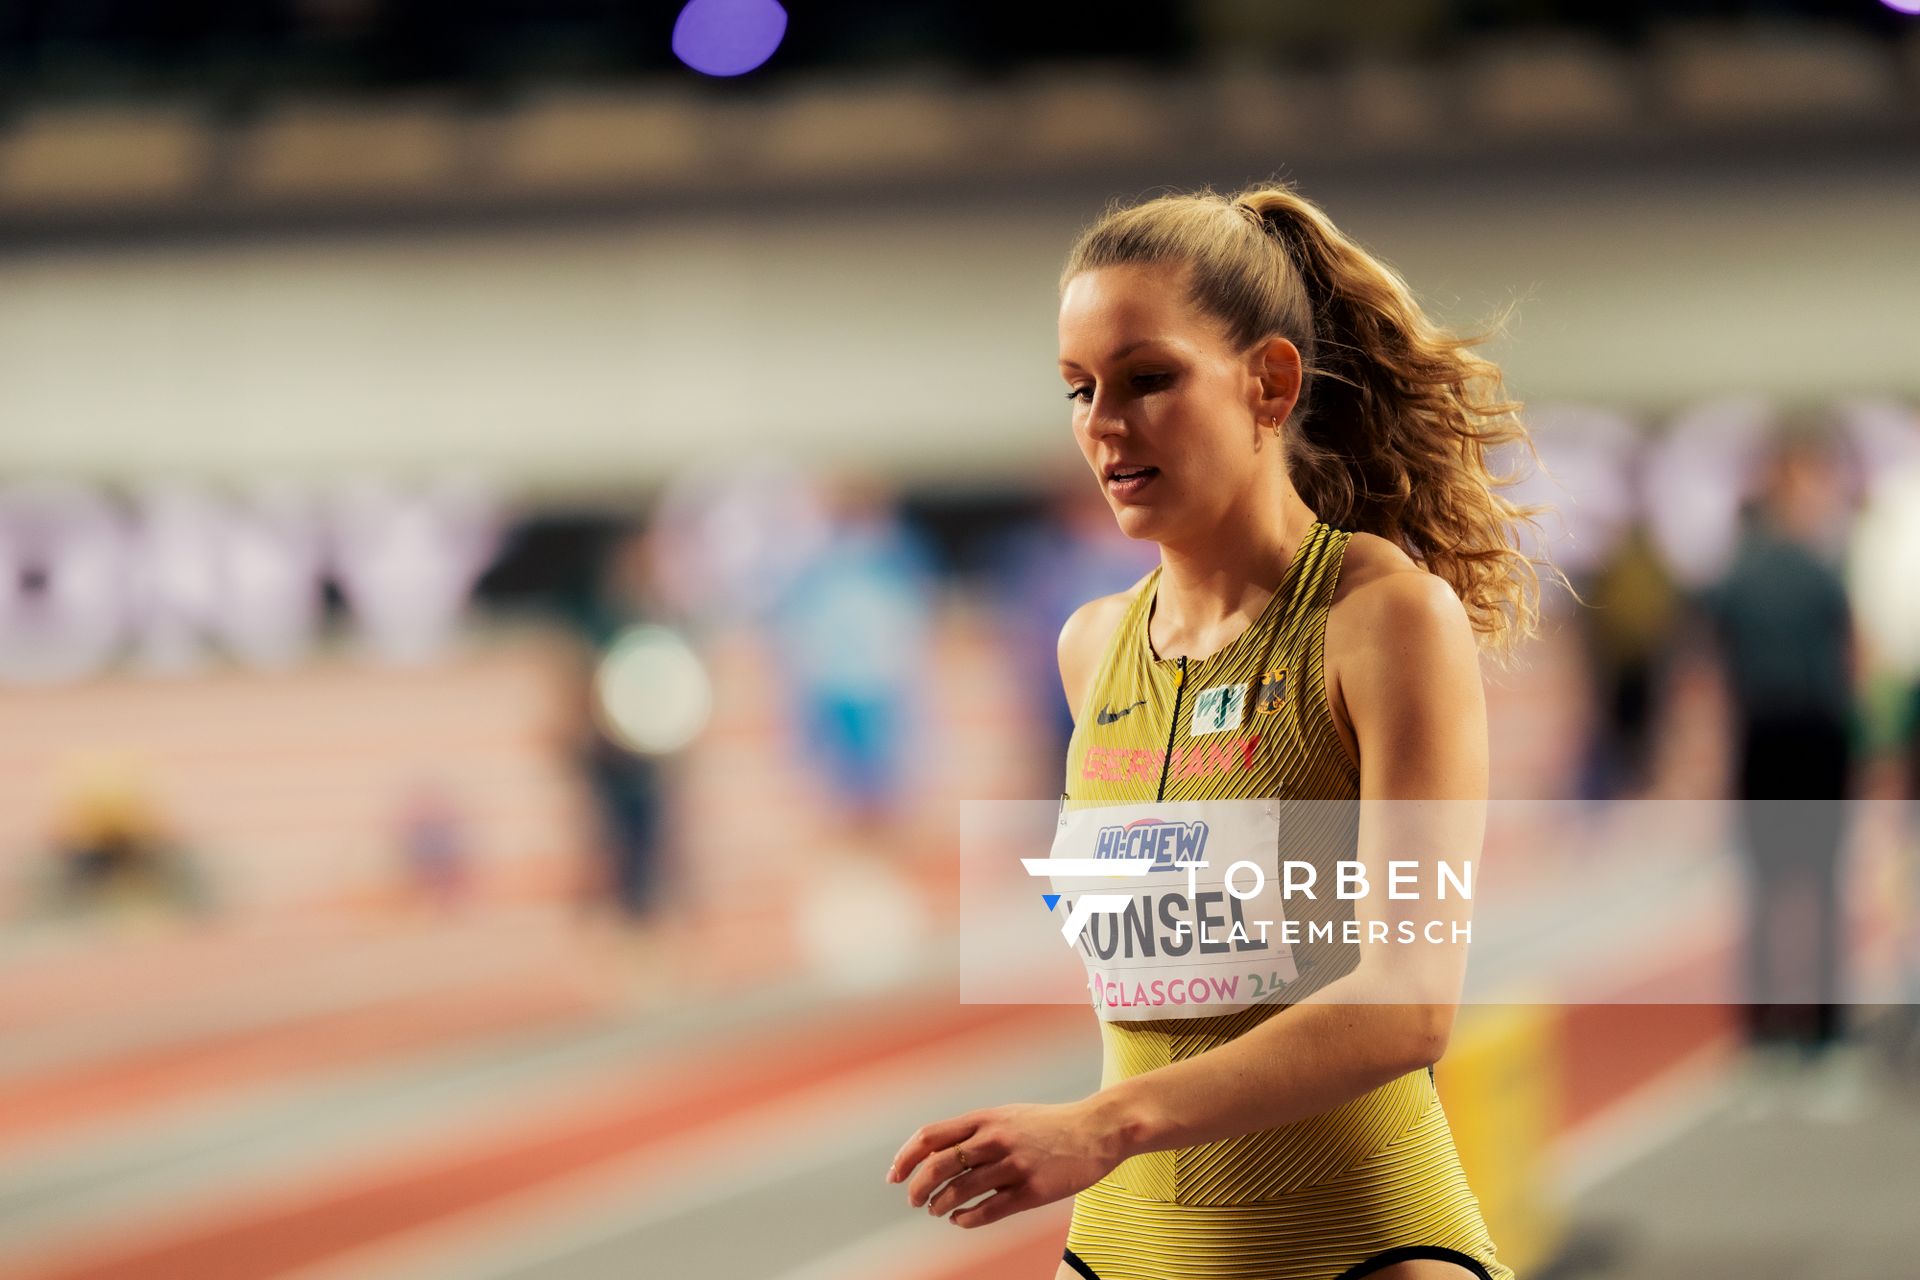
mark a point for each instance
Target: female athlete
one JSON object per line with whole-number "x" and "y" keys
{"x": 1265, "y": 400}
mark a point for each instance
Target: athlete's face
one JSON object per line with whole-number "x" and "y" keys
{"x": 1159, "y": 392}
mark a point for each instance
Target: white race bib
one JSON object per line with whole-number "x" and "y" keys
{"x": 1161, "y": 935}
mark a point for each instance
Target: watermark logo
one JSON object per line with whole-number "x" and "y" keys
{"x": 1087, "y": 905}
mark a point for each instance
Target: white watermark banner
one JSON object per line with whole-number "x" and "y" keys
{"x": 1197, "y": 908}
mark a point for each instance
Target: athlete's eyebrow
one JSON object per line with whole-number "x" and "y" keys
{"x": 1131, "y": 346}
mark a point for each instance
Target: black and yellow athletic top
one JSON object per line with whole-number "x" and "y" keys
{"x": 1373, "y": 1181}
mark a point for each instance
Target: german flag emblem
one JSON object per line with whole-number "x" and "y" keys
{"x": 1270, "y": 691}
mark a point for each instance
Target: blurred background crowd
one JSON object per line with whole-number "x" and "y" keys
{"x": 521, "y": 526}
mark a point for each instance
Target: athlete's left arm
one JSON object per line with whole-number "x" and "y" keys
{"x": 1412, "y": 690}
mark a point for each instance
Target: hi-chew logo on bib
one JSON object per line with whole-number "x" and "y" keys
{"x": 1174, "y": 908}
{"x": 1217, "y": 709}
{"x": 1164, "y": 845}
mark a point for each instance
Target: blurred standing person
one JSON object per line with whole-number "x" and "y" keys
{"x": 1047, "y": 569}
{"x": 1628, "y": 634}
{"x": 852, "y": 633}
{"x": 853, "y": 644}
{"x": 1781, "y": 618}
{"x": 629, "y": 786}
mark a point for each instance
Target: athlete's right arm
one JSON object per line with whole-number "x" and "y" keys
{"x": 1083, "y": 639}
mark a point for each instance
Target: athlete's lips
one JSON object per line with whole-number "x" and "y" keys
{"x": 1127, "y": 486}
{"x": 1114, "y": 468}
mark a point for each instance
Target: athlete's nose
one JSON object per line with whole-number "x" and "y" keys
{"x": 1102, "y": 422}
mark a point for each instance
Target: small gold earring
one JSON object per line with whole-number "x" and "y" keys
{"x": 1276, "y": 425}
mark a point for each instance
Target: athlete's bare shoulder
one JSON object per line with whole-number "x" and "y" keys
{"x": 1369, "y": 559}
{"x": 1381, "y": 586}
{"x": 1381, "y": 592}
{"x": 1084, "y": 637}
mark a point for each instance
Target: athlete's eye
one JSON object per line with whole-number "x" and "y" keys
{"x": 1141, "y": 382}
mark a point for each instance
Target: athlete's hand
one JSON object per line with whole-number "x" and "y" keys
{"x": 1026, "y": 1154}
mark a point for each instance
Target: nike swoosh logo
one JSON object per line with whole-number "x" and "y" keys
{"x": 1108, "y": 717}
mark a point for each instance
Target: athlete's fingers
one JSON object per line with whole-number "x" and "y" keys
{"x": 984, "y": 1148}
{"x": 1000, "y": 1173}
{"x": 950, "y": 1162}
{"x": 927, "y": 1139}
{"x": 996, "y": 1206}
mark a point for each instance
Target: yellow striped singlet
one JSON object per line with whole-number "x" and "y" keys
{"x": 1335, "y": 1195}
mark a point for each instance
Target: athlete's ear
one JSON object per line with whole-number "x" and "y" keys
{"x": 1274, "y": 366}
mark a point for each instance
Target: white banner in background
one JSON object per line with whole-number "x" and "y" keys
{"x": 176, "y": 568}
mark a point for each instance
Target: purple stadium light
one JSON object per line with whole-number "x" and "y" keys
{"x": 1909, "y": 7}
{"x": 728, "y": 37}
